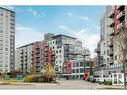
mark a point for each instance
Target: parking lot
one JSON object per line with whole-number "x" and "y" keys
{"x": 62, "y": 84}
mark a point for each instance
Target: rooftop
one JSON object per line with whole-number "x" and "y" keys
{"x": 64, "y": 36}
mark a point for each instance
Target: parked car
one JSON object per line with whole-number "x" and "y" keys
{"x": 104, "y": 78}
{"x": 92, "y": 79}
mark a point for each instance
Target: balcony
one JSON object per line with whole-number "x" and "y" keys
{"x": 111, "y": 14}
{"x": 53, "y": 59}
{"x": 111, "y": 32}
{"x": 110, "y": 61}
{"x": 37, "y": 52}
{"x": 110, "y": 44}
{"x": 121, "y": 7}
{"x": 38, "y": 56}
{"x": 97, "y": 50}
{"x": 46, "y": 49}
{"x": 111, "y": 52}
{"x": 110, "y": 22}
{"x": 53, "y": 53}
{"x": 119, "y": 26}
{"x": 121, "y": 14}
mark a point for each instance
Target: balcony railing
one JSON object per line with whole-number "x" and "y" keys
{"x": 110, "y": 44}
{"x": 110, "y": 22}
{"x": 120, "y": 25}
{"x": 120, "y": 15}
{"x": 111, "y": 32}
{"x": 110, "y": 15}
{"x": 97, "y": 50}
{"x": 110, "y": 61}
{"x": 111, "y": 52}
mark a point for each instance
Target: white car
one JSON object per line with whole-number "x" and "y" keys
{"x": 102, "y": 79}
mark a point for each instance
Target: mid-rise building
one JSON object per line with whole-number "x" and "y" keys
{"x": 61, "y": 50}
{"x": 28, "y": 56}
{"x": 7, "y": 40}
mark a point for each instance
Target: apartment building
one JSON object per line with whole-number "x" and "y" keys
{"x": 7, "y": 40}
{"x": 112, "y": 21}
{"x": 59, "y": 50}
{"x": 28, "y": 56}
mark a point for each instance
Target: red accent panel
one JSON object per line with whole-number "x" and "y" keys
{"x": 85, "y": 75}
{"x": 68, "y": 70}
{"x": 94, "y": 63}
{"x": 116, "y": 22}
{"x": 49, "y": 55}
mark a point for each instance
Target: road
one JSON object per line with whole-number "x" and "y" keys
{"x": 61, "y": 85}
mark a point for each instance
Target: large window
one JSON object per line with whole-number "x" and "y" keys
{"x": 77, "y": 70}
{"x": 81, "y": 70}
{"x": 59, "y": 51}
{"x": 81, "y": 64}
{"x": 73, "y": 71}
{"x": 77, "y": 64}
{"x": 74, "y": 64}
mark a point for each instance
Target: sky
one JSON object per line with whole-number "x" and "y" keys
{"x": 82, "y": 22}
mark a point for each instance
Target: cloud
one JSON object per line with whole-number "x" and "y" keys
{"x": 75, "y": 16}
{"x": 26, "y": 35}
{"x": 35, "y": 13}
{"x": 89, "y": 40}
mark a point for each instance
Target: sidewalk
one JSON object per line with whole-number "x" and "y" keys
{"x": 110, "y": 87}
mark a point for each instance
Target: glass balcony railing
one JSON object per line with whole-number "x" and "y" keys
{"x": 111, "y": 32}
{"x": 120, "y": 15}
{"x": 110, "y": 15}
{"x": 119, "y": 25}
{"x": 111, "y": 22}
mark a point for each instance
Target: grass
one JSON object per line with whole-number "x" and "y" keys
{"x": 109, "y": 89}
{"x": 11, "y": 80}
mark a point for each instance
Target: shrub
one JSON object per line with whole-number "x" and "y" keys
{"x": 35, "y": 78}
{"x": 107, "y": 82}
{"x": 28, "y": 78}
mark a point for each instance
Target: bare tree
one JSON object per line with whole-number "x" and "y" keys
{"x": 121, "y": 39}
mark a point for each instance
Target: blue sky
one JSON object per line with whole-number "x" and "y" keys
{"x": 82, "y": 22}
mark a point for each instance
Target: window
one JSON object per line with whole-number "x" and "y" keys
{"x": 81, "y": 70}
{"x": 60, "y": 61}
{"x": 56, "y": 56}
{"x": 0, "y": 65}
{"x": 6, "y": 49}
{"x": 59, "y": 51}
{"x": 116, "y": 57}
{"x": 77, "y": 70}
{"x": 60, "y": 56}
{"x": 73, "y": 71}
{"x": 52, "y": 47}
{"x": 104, "y": 52}
{"x": 81, "y": 64}
{"x": 77, "y": 64}
{"x": 50, "y": 43}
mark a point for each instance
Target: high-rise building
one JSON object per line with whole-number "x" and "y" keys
{"x": 7, "y": 40}
{"x": 112, "y": 21}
